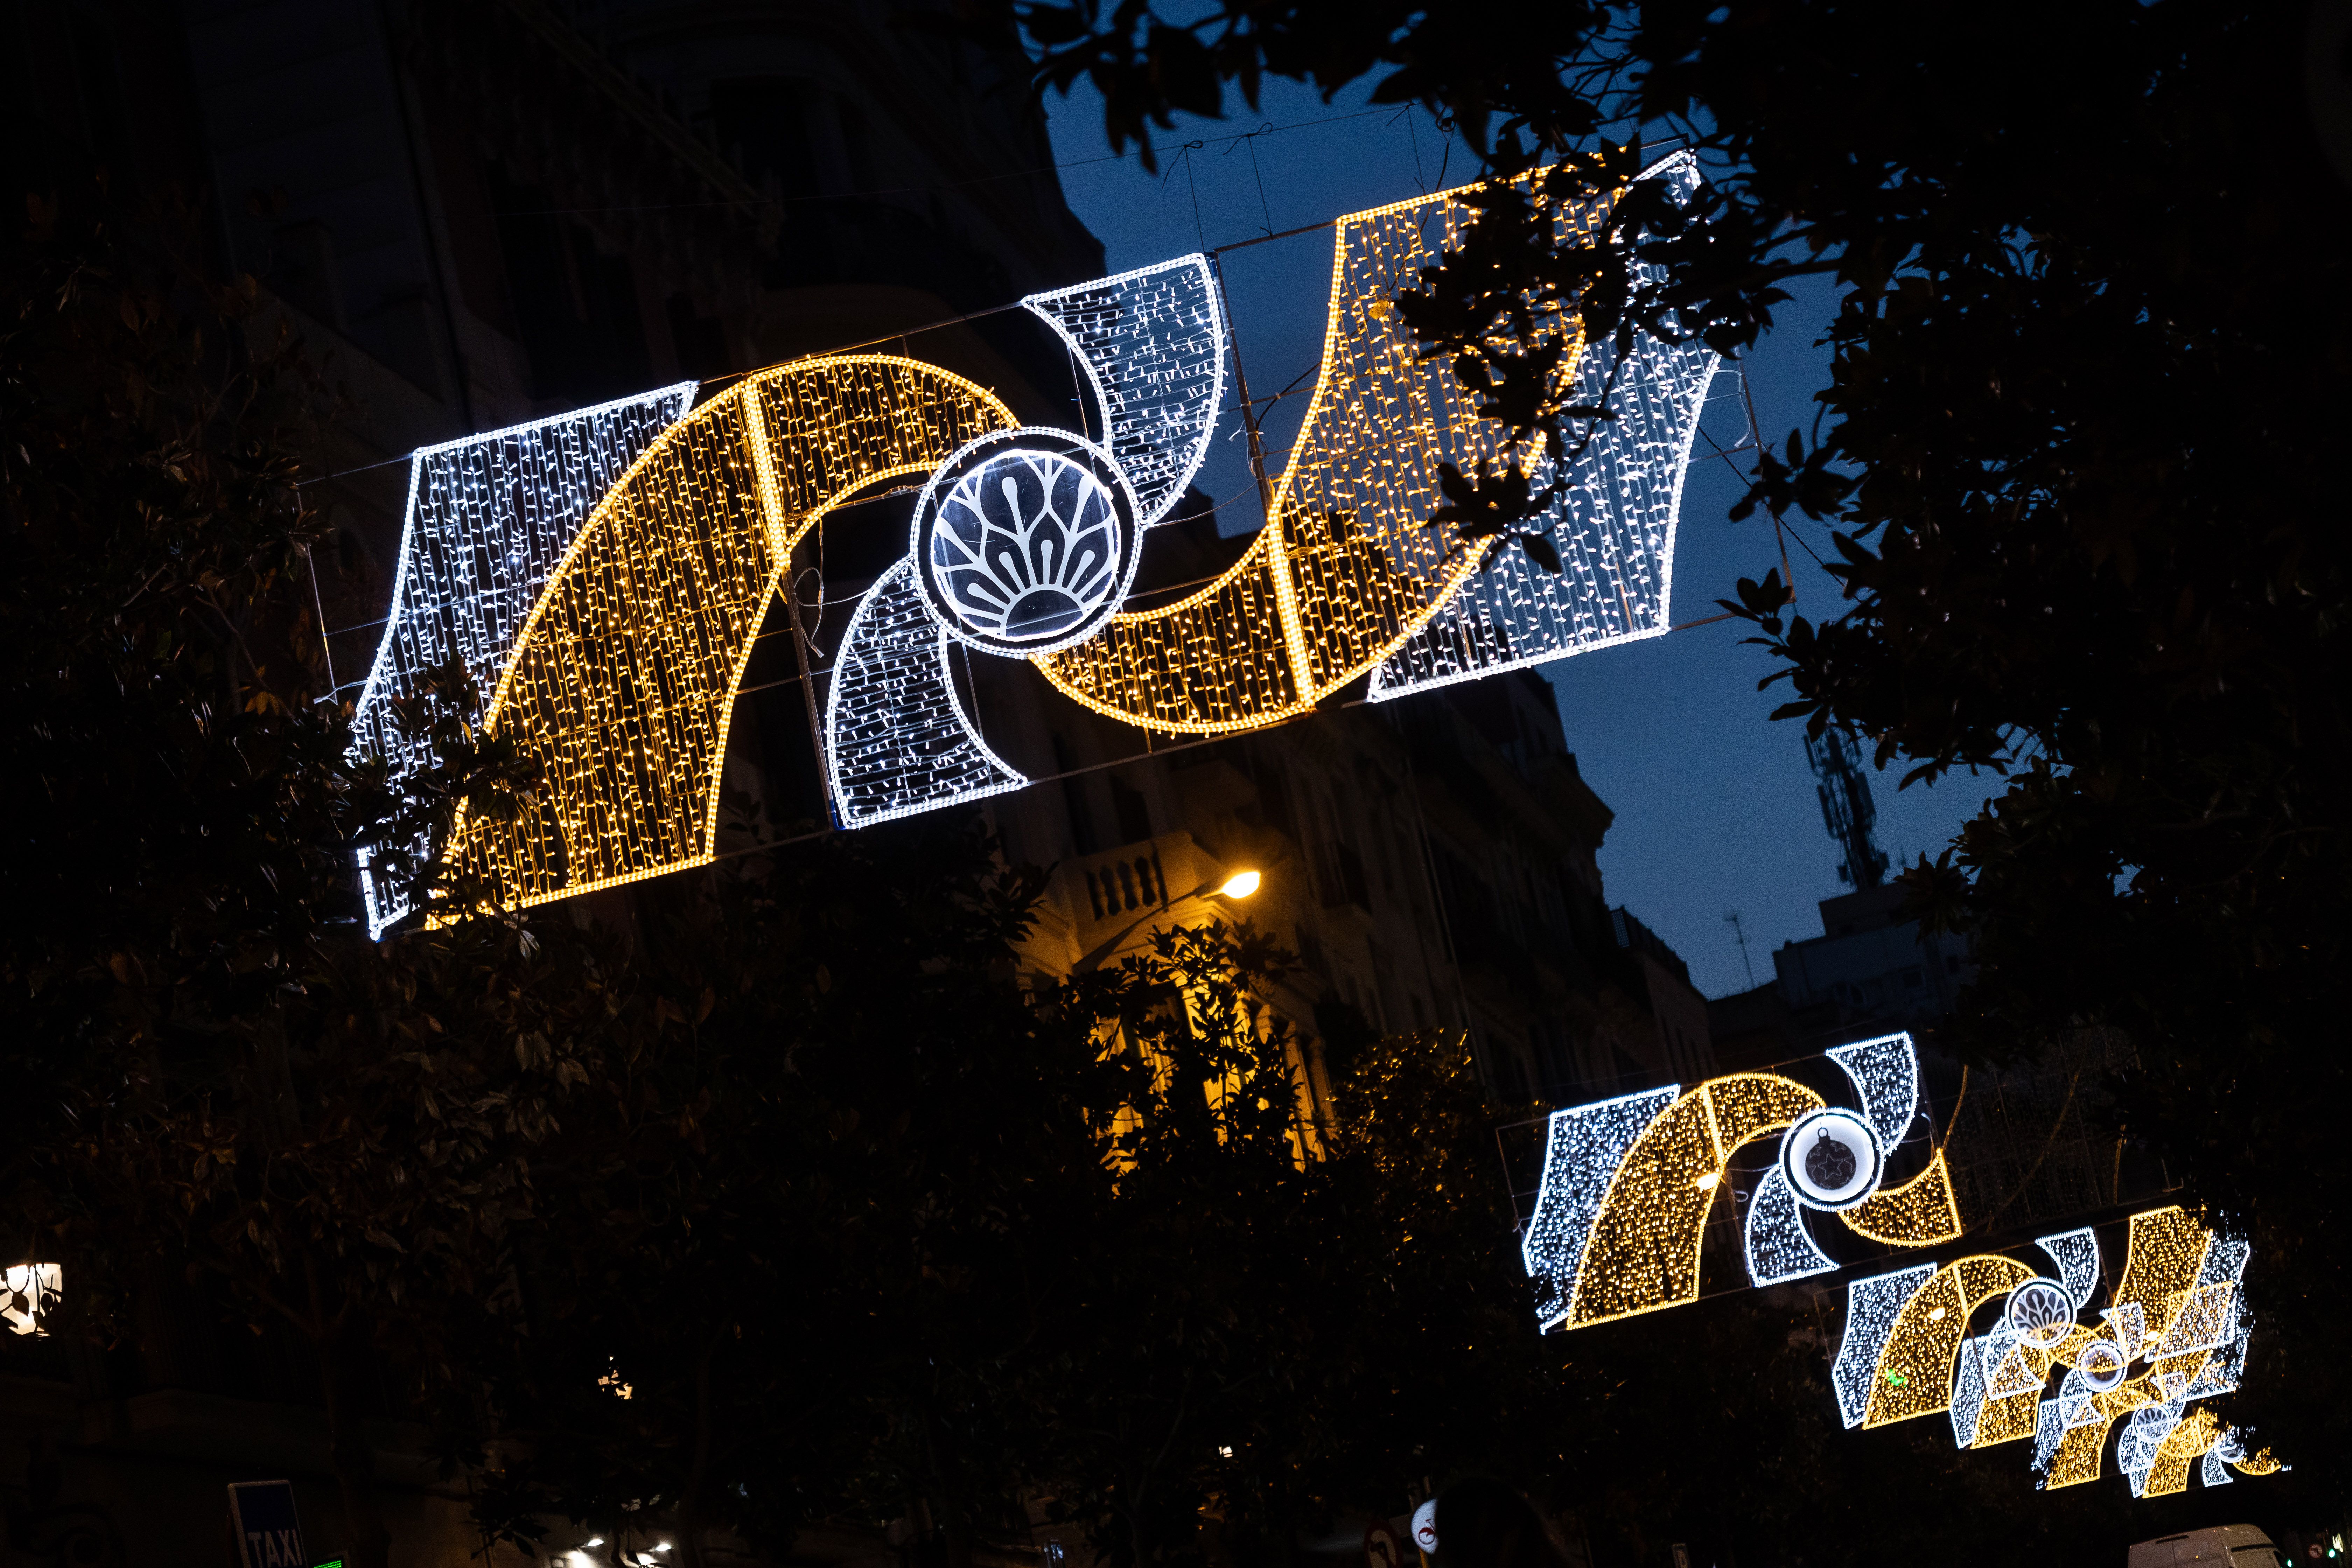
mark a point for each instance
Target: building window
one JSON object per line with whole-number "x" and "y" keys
{"x": 1134, "y": 813}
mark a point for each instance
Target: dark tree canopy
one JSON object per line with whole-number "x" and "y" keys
{"x": 2076, "y": 449}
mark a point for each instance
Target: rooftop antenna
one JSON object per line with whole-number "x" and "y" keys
{"x": 1731, "y": 918}
{"x": 1846, "y": 807}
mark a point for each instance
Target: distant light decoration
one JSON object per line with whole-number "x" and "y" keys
{"x": 28, "y": 1291}
{"x": 1627, "y": 1184}
{"x": 1905, "y": 1353}
{"x": 602, "y": 575}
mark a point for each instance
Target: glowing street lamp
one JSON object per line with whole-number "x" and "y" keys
{"x": 1239, "y": 885}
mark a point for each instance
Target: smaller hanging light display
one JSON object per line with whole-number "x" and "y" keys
{"x": 2175, "y": 1315}
{"x": 1628, "y": 1183}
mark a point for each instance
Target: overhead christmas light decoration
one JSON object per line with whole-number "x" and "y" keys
{"x": 1907, "y": 1352}
{"x": 1627, "y": 1184}
{"x": 601, "y": 575}
{"x": 624, "y": 680}
{"x": 1614, "y": 528}
{"x": 487, "y": 521}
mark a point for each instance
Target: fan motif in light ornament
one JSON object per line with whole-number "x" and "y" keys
{"x": 1024, "y": 541}
{"x": 2041, "y": 1312}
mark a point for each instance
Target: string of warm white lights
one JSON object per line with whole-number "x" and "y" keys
{"x": 1613, "y": 527}
{"x": 487, "y": 520}
{"x": 622, "y": 683}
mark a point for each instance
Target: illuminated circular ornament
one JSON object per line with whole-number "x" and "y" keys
{"x": 1424, "y": 1526}
{"x": 2102, "y": 1364}
{"x": 1026, "y": 542}
{"x": 1830, "y": 1159}
{"x": 2042, "y": 1312}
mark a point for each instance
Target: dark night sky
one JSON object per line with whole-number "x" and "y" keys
{"x": 1715, "y": 805}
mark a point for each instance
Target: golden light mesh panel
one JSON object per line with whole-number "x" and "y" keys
{"x": 1643, "y": 1251}
{"x": 1354, "y": 569}
{"x": 2166, "y": 1251}
{"x": 1921, "y": 1212}
{"x": 1913, "y": 1376}
{"x": 624, "y": 680}
{"x": 1214, "y": 662}
{"x": 2007, "y": 1419}
{"x": 2197, "y": 1431}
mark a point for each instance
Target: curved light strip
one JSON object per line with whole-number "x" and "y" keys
{"x": 624, "y": 681}
{"x": 1885, "y": 1075}
{"x": 1151, "y": 342}
{"x": 1643, "y": 1251}
{"x": 897, "y": 740}
{"x": 1351, "y": 569}
{"x": 1913, "y": 1374}
{"x": 1775, "y": 1241}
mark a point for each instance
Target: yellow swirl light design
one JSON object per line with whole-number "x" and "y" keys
{"x": 1643, "y": 1252}
{"x": 1920, "y": 1213}
{"x": 624, "y": 678}
{"x": 1914, "y": 1366}
{"x": 2166, "y": 1252}
{"x": 1349, "y": 569}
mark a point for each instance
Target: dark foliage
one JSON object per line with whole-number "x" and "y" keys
{"x": 2074, "y": 452}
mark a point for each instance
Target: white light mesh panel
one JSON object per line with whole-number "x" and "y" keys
{"x": 1152, "y": 343}
{"x": 489, "y": 517}
{"x": 1615, "y": 526}
{"x": 897, "y": 738}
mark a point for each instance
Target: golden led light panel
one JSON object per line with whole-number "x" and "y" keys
{"x": 624, "y": 679}
{"x": 1351, "y": 570}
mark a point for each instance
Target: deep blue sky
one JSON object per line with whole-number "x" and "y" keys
{"x": 1715, "y": 805}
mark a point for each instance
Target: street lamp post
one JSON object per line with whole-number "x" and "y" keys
{"x": 1239, "y": 885}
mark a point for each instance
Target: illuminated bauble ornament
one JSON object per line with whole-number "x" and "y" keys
{"x": 2041, "y": 1312}
{"x": 1830, "y": 1159}
{"x": 2102, "y": 1365}
{"x": 1024, "y": 541}
{"x": 1829, "y": 1162}
{"x": 1424, "y": 1526}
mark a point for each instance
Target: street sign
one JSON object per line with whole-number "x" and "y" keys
{"x": 262, "y": 1516}
{"x": 1382, "y": 1547}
